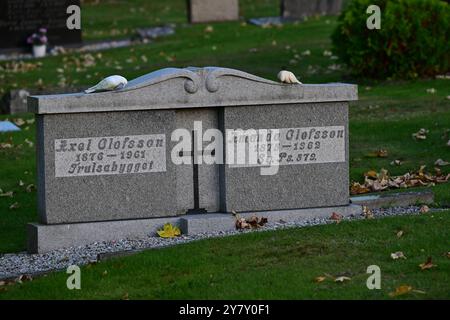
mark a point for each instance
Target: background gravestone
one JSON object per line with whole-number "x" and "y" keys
{"x": 297, "y": 9}
{"x": 21, "y": 18}
{"x": 213, "y": 10}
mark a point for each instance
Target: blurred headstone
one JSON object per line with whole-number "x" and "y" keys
{"x": 21, "y": 18}
{"x": 213, "y": 10}
{"x": 155, "y": 32}
{"x": 15, "y": 101}
{"x": 266, "y": 21}
{"x": 300, "y": 9}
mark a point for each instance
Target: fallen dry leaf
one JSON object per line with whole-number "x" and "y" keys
{"x": 401, "y": 290}
{"x": 7, "y": 194}
{"x": 24, "y": 278}
{"x": 421, "y": 134}
{"x": 30, "y": 143}
{"x": 336, "y": 217}
{"x": 382, "y": 153}
{"x": 5, "y": 145}
{"x": 383, "y": 181}
{"x": 241, "y": 223}
{"x": 342, "y": 279}
{"x": 448, "y": 254}
{"x": 427, "y": 265}
{"x": 371, "y": 174}
{"x": 30, "y": 188}
{"x": 253, "y": 222}
{"x": 441, "y": 163}
{"x": 357, "y": 188}
{"x": 320, "y": 279}
{"x": 398, "y": 255}
{"x": 399, "y": 234}
{"x": 15, "y": 205}
{"x": 169, "y": 231}
{"x": 368, "y": 214}
{"x": 19, "y": 122}
{"x": 209, "y": 29}
{"x": 424, "y": 209}
{"x": 396, "y": 163}
{"x": 125, "y": 296}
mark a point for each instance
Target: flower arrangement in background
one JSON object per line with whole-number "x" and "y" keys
{"x": 38, "y": 38}
{"x": 39, "y": 41}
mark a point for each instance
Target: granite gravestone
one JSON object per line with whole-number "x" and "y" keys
{"x": 299, "y": 9}
{"x": 106, "y": 167}
{"x": 213, "y": 10}
{"x": 21, "y": 18}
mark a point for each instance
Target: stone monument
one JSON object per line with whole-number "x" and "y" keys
{"x": 21, "y": 18}
{"x": 213, "y": 10}
{"x": 108, "y": 163}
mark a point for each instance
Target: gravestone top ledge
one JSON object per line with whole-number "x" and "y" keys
{"x": 177, "y": 88}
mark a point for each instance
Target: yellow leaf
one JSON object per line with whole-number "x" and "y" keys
{"x": 371, "y": 174}
{"x": 320, "y": 279}
{"x": 404, "y": 289}
{"x": 427, "y": 265}
{"x": 169, "y": 231}
{"x": 368, "y": 214}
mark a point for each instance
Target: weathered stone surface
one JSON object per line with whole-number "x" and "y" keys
{"x": 65, "y": 198}
{"x": 299, "y": 9}
{"x": 304, "y": 184}
{"x": 213, "y": 10}
{"x": 173, "y": 88}
{"x": 15, "y": 101}
{"x": 206, "y": 188}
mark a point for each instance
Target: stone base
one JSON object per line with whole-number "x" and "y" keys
{"x": 44, "y": 238}
{"x": 402, "y": 199}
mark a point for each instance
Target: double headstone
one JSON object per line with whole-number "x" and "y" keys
{"x": 21, "y": 18}
{"x": 180, "y": 141}
{"x": 299, "y": 9}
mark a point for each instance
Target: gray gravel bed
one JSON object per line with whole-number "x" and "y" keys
{"x": 16, "y": 264}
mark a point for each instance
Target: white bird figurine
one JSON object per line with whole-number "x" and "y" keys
{"x": 287, "y": 77}
{"x": 108, "y": 84}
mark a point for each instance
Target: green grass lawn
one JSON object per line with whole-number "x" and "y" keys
{"x": 384, "y": 118}
{"x": 386, "y": 115}
{"x": 272, "y": 265}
